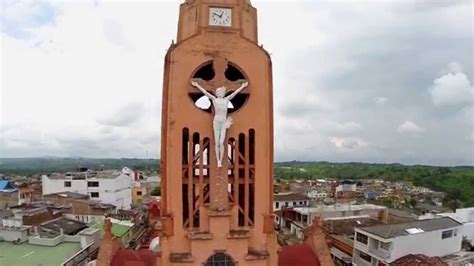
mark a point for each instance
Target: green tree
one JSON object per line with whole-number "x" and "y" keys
{"x": 156, "y": 191}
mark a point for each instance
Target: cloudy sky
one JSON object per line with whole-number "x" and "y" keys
{"x": 369, "y": 81}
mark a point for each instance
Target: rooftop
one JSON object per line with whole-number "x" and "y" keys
{"x": 346, "y": 225}
{"x": 338, "y": 207}
{"x": 69, "y": 226}
{"x": 5, "y": 214}
{"x": 118, "y": 228}
{"x": 396, "y": 230}
{"x": 33, "y": 255}
{"x": 419, "y": 259}
{"x": 289, "y": 197}
{"x": 87, "y": 175}
{"x": 6, "y": 186}
{"x": 68, "y": 194}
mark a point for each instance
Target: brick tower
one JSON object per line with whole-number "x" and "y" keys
{"x": 217, "y": 214}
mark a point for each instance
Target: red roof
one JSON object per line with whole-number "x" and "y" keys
{"x": 419, "y": 259}
{"x": 126, "y": 257}
{"x": 300, "y": 254}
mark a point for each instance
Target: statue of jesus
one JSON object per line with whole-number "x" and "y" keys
{"x": 221, "y": 122}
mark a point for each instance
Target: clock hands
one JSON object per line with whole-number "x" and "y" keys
{"x": 220, "y": 16}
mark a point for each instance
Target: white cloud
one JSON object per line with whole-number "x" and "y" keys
{"x": 452, "y": 88}
{"x": 125, "y": 116}
{"x": 380, "y": 100}
{"x": 20, "y": 19}
{"x": 347, "y": 143}
{"x": 410, "y": 127}
{"x": 66, "y": 87}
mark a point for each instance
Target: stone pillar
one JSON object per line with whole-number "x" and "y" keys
{"x": 219, "y": 200}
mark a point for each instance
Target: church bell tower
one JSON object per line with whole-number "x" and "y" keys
{"x": 217, "y": 140}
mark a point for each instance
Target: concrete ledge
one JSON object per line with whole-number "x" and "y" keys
{"x": 238, "y": 234}
{"x": 200, "y": 235}
{"x": 182, "y": 257}
{"x": 254, "y": 254}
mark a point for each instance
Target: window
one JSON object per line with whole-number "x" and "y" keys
{"x": 456, "y": 232}
{"x": 67, "y": 183}
{"x": 447, "y": 234}
{"x": 286, "y": 204}
{"x": 365, "y": 256}
{"x": 139, "y": 193}
{"x": 277, "y": 204}
{"x": 385, "y": 246}
{"x": 219, "y": 259}
{"x": 301, "y": 202}
{"x": 362, "y": 238}
{"x": 94, "y": 194}
{"x": 294, "y": 203}
{"x": 93, "y": 184}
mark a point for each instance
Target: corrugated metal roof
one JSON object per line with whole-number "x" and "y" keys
{"x": 6, "y": 185}
{"x": 395, "y": 230}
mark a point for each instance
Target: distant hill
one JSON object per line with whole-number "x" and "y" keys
{"x": 456, "y": 181}
{"x": 47, "y": 165}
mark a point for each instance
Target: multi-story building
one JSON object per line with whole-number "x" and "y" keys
{"x": 108, "y": 186}
{"x": 305, "y": 215}
{"x": 289, "y": 200}
{"x": 79, "y": 207}
{"x": 383, "y": 244}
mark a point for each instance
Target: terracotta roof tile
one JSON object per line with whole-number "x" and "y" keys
{"x": 300, "y": 254}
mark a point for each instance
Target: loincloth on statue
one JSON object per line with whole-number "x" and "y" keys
{"x": 223, "y": 124}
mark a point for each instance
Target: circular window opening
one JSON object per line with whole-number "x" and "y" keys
{"x": 206, "y": 73}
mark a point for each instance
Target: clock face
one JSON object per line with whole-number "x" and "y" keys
{"x": 220, "y": 16}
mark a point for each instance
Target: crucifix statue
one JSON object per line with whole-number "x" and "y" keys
{"x": 221, "y": 122}
{"x": 216, "y": 89}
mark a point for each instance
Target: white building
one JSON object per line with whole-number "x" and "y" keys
{"x": 315, "y": 194}
{"x": 305, "y": 215}
{"x": 108, "y": 186}
{"x": 383, "y": 244}
{"x": 344, "y": 187}
{"x": 466, "y": 217}
{"x": 289, "y": 200}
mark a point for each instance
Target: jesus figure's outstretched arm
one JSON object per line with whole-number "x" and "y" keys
{"x": 195, "y": 84}
{"x": 232, "y": 95}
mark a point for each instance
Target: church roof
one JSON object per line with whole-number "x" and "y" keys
{"x": 300, "y": 254}
{"x": 143, "y": 257}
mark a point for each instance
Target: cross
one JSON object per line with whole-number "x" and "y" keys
{"x": 220, "y": 66}
{"x": 219, "y": 180}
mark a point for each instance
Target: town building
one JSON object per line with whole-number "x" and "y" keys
{"x": 303, "y": 216}
{"x": 108, "y": 186}
{"x": 8, "y": 194}
{"x": 383, "y": 244}
{"x": 59, "y": 241}
{"x": 289, "y": 200}
{"x": 79, "y": 206}
{"x": 466, "y": 217}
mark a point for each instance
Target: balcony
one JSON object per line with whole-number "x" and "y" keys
{"x": 380, "y": 253}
